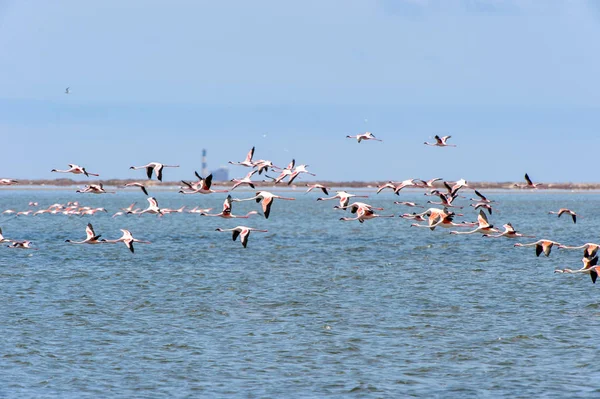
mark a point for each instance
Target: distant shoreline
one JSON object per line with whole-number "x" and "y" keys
{"x": 67, "y": 183}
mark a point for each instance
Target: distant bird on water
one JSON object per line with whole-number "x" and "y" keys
{"x": 529, "y": 184}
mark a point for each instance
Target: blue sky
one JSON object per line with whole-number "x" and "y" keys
{"x": 514, "y": 82}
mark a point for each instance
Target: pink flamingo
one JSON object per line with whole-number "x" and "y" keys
{"x": 364, "y": 136}
{"x": 155, "y": 167}
{"x": 440, "y": 141}
{"x": 75, "y": 169}
{"x": 243, "y": 232}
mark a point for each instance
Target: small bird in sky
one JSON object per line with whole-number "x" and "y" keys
{"x": 68, "y": 90}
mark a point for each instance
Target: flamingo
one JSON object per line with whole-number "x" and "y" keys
{"x": 404, "y": 183}
{"x": 482, "y": 205}
{"x": 318, "y": 186}
{"x": 243, "y": 232}
{"x": 590, "y": 266}
{"x": 76, "y": 170}
{"x": 440, "y": 142}
{"x": 152, "y": 207}
{"x": 544, "y": 246}
{"x": 365, "y": 213}
{"x": 411, "y": 204}
{"x": 389, "y": 184}
{"x": 202, "y": 188}
{"x": 364, "y": 136}
{"x": 509, "y": 232}
{"x": 355, "y": 206}
{"x": 438, "y": 217}
{"x": 297, "y": 170}
{"x": 67, "y": 90}
{"x": 482, "y": 198}
{"x": 529, "y": 184}
{"x": 94, "y": 189}
{"x": 344, "y": 197}
{"x": 267, "y": 200}
{"x": 226, "y": 212}
{"x": 91, "y": 237}
{"x": 26, "y": 244}
{"x": 446, "y": 201}
{"x": 8, "y": 182}
{"x": 136, "y": 184}
{"x": 155, "y": 167}
{"x": 199, "y": 210}
{"x": 2, "y": 239}
{"x": 483, "y": 226}
{"x": 244, "y": 180}
{"x": 429, "y": 183}
{"x": 263, "y": 165}
{"x": 589, "y": 249}
{"x": 246, "y": 162}
{"x": 127, "y": 239}
{"x": 567, "y": 211}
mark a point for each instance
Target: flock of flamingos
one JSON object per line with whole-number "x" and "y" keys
{"x": 433, "y": 217}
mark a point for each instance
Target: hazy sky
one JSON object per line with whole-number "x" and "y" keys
{"x": 515, "y": 82}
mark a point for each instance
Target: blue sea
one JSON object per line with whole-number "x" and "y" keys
{"x": 314, "y": 308}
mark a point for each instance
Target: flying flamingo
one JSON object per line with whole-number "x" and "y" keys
{"x": 445, "y": 201}
{"x": 136, "y": 184}
{"x": 483, "y": 227}
{"x": 75, "y": 169}
{"x": 202, "y": 188}
{"x": 8, "y": 182}
{"x": 91, "y": 237}
{"x": 2, "y": 239}
{"x": 297, "y": 170}
{"x": 127, "y": 239}
{"x": 482, "y": 198}
{"x": 589, "y": 249}
{"x": 389, "y": 184}
{"x": 590, "y": 266}
{"x": 429, "y": 183}
{"x": 243, "y": 232}
{"x": 318, "y": 186}
{"x": 411, "y": 204}
{"x": 509, "y": 232}
{"x": 544, "y": 246}
{"x": 155, "y": 167}
{"x": 94, "y": 189}
{"x": 440, "y": 142}
{"x": 364, "y": 136}
{"x": 404, "y": 183}
{"x": 344, "y": 197}
{"x": 26, "y": 244}
{"x": 267, "y": 200}
{"x": 152, "y": 207}
{"x": 529, "y": 184}
{"x": 246, "y": 162}
{"x": 355, "y": 206}
{"x": 482, "y": 205}
{"x": 567, "y": 211}
{"x": 365, "y": 213}
{"x": 244, "y": 180}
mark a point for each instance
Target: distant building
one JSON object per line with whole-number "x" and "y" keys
{"x": 221, "y": 174}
